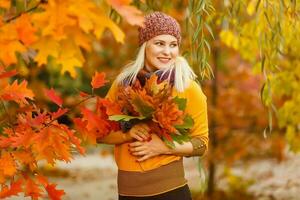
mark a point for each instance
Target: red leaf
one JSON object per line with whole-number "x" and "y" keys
{"x": 32, "y": 189}
{"x": 8, "y": 74}
{"x": 59, "y": 113}
{"x": 98, "y": 80}
{"x": 15, "y": 188}
{"x": 83, "y": 94}
{"x": 54, "y": 97}
{"x": 111, "y": 108}
{"x": 53, "y": 193}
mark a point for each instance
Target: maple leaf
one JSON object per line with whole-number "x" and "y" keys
{"x": 168, "y": 115}
{"x": 59, "y": 113}
{"x": 94, "y": 121}
{"x": 25, "y": 30}
{"x": 46, "y": 46}
{"x": 53, "y": 193}
{"x": 98, "y": 80}
{"x": 130, "y": 13}
{"x": 8, "y": 74}
{"x": 83, "y": 94}
{"x": 9, "y": 41}
{"x": 76, "y": 141}
{"x": 32, "y": 189}
{"x": 51, "y": 143}
{"x": 15, "y": 189}
{"x": 5, "y": 4}
{"x": 17, "y": 93}
{"x": 54, "y": 18}
{"x": 54, "y": 97}
{"x": 142, "y": 103}
{"x": 7, "y": 164}
{"x": 23, "y": 139}
{"x": 70, "y": 56}
{"x": 89, "y": 136}
{"x": 25, "y": 157}
{"x": 112, "y": 108}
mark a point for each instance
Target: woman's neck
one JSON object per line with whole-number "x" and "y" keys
{"x": 148, "y": 68}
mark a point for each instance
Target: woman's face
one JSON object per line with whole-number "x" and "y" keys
{"x": 161, "y": 52}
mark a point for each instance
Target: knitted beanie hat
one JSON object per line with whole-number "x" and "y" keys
{"x": 158, "y": 23}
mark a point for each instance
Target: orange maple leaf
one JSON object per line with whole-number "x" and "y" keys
{"x": 168, "y": 115}
{"x": 32, "y": 189}
{"x": 26, "y": 157}
{"x": 7, "y": 164}
{"x": 25, "y": 30}
{"x": 130, "y": 13}
{"x": 53, "y": 193}
{"x": 51, "y": 143}
{"x": 98, "y": 80}
{"x": 17, "y": 92}
{"x": 89, "y": 136}
{"x": 111, "y": 107}
{"x": 15, "y": 188}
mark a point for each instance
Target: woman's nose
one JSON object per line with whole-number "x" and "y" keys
{"x": 166, "y": 50}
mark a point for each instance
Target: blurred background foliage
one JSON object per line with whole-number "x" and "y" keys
{"x": 245, "y": 53}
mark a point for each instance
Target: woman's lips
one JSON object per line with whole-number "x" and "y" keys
{"x": 164, "y": 60}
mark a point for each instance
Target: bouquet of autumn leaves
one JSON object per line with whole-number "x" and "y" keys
{"x": 154, "y": 105}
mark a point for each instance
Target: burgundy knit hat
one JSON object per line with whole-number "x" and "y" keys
{"x": 158, "y": 23}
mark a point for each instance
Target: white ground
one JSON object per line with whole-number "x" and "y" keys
{"x": 93, "y": 177}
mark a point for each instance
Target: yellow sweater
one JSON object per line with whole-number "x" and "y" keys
{"x": 196, "y": 107}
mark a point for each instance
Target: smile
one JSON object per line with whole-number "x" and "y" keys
{"x": 164, "y": 60}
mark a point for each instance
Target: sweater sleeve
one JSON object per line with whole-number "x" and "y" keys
{"x": 197, "y": 108}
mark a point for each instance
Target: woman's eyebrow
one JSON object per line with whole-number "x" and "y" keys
{"x": 165, "y": 41}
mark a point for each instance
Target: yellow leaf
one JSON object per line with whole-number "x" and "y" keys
{"x": 54, "y": 19}
{"x": 46, "y": 46}
{"x": 9, "y": 44}
{"x": 229, "y": 39}
{"x": 106, "y": 22}
{"x": 5, "y": 4}
{"x": 251, "y": 7}
{"x": 69, "y": 57}
{"x": 80, "y": 38}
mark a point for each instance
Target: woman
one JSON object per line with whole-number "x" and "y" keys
{"x": 147, "y": 168}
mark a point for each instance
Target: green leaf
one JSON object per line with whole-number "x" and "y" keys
{"x": 181, "y": 138}
{"x": 169, "y": 143}
{"x": 142, "y": 107}
{"x": 181, "y": 102}
{"x": 124, "y": 117}
{"x": 188, "y": 123}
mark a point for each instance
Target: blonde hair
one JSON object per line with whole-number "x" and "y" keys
{"x": 183, "y": 72}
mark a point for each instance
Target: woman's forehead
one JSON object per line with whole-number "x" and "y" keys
{"x": 165, "y": 38}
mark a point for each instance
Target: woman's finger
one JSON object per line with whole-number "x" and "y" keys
{"x": 143, "y": 158}
{"x": 139, "y": 153}
{"x": 136, "y": 149}
{"x": 135, "y": 144}
{"x": 138, "y": 137}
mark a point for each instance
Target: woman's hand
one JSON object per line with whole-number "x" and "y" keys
{"x": 140, "y": 132}
{"x": 149, "y": 149}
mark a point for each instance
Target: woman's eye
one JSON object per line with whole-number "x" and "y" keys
{"x": 159, "y": 43}
{"x": 173, "y": 45}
